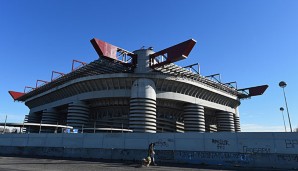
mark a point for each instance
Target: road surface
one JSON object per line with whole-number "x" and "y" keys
{"x": 52, "y": 164}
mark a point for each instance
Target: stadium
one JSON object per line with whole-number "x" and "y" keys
{"x": 139, "y": 91}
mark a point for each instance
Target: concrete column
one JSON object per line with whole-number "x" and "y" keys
{"x": 49, "y": 116}
{"x": 143, "y": 60}
{"x": 237, "y": 120}
{"x": 78, "y": 114}
{"x": 33, "y": 118}
{"x": 194, "y": 118}
{"x": 225, "y": 121}
{"x": 142, "y": 115}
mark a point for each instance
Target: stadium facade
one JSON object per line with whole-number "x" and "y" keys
{"x": 139, "y": 91}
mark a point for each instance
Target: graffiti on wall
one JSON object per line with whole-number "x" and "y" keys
{"x": 287, "y": 157}
{"x": 215, "y": 156}
{"x": 291, "y": 143}
{"x": 262, "y": 150}
{"x": 162, "y": 143}
{"x": 220, "y": 143}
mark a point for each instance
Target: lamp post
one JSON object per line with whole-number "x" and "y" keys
{"x": 283, "y": 84}
{"x": 4, "y": 125}
{"x": 282, "y": 112}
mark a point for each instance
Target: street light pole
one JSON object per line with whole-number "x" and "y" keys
{"x": 4, "y": 124}
{"x": 282, "y": 112}
{"x": 283, "y": 84}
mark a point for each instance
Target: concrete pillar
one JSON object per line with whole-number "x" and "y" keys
{"x": 237, "y": 121}
{"x": 142, "y": 115}
{"x": 143, "y": 60}
{"x": 194, "y": 118}
{"x": 49, "y": 116}
{"x": 78, "y": 114}
{"x": 225, "y": 121}
{"x": 33, "y": 118}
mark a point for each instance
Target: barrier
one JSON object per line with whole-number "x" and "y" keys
{"x": 269, "y": 150}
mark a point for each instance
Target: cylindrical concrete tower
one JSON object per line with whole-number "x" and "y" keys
{"x": 194, "y": 119}
{"x": 33, "y": 118}
{"x": 49, "y": 116}
{"x": 143, "y": 60}
{"x": 78, "y": 114}
{"x": 237, "y": 120}
{"x": 225, "y": 121}
{"x": 142, "y": 115}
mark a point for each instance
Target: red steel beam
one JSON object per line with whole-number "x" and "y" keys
{"x": 259, "y": 90}
{"x": 174, "y": 53}
{"x": 104, "y": 49}
{"x": 15, "y": 95}
{"x": 110, "y": 51}
{"x": 253, "y": 91}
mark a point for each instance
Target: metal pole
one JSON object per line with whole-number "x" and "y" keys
{"x": 284, "y": 120}
{"x": 23, "y": 125}
{"x": 287, "y": 109}
{"x": 5, "y": 124}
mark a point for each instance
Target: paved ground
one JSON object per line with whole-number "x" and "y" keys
{"x": 34, "y": 164}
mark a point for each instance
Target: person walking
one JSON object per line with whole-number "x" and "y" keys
{"x": 151, "y": 153}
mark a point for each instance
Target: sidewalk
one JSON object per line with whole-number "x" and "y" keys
{"x": 37, "y": 164}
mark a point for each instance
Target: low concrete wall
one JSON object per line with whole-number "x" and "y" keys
{"x": 270, "y": 150}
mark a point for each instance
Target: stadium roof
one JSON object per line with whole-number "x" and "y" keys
{"x": 108, "y": 66}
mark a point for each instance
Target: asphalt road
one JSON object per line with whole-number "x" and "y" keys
{"x": 43, "y": 164}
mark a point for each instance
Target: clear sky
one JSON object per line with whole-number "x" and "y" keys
{"x": 252, "y": 42}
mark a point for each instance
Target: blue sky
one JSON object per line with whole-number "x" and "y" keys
{"x": 252, "y": 42}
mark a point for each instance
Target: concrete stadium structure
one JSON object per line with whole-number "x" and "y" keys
{"x": 140, "y": 91}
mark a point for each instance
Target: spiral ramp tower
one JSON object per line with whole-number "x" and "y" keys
{"x": 33, "y": 117}
{"x": 49, "y": 116}
{"x": 140, "y": 91}
{"x": 142, "y": 116}
{"x": 225, "y": 121}
{"x": 237, "y": 124}
{"x": 78, "y": 114}
{"x": 194, "y": 120}
{"x": 237, "y": 121}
